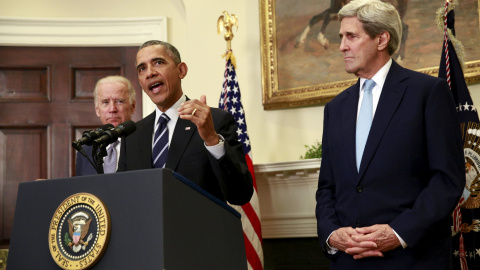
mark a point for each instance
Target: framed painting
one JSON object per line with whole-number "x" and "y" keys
{"x": 301, "y": 61}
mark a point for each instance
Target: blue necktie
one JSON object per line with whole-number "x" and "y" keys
{"x": 160, "y": 144}
{"x": 364, "y": 121}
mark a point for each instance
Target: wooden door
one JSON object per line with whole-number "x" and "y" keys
{"x": 46, "y": 102}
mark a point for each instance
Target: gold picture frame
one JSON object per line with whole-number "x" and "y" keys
{"x": 279, "y": 36}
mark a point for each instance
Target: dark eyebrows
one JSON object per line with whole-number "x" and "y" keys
{"x": 159, "y": 59}
{"x": 153, "y": 60}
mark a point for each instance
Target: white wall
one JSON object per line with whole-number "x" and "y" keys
{"x": 276, "y": 136}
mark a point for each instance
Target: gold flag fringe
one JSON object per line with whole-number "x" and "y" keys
{"x": 229, "y": 55}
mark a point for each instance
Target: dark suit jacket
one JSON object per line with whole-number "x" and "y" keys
{"x": 83, "y": 166}
{"x": 411, "y": 175}
{"x": 227, "y": 178}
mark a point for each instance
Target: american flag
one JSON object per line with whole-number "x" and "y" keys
{"x": 466, "y": 216}
{"x": 230, "y": 101}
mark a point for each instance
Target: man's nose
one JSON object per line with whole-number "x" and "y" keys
{"x": 151, "y": 72}
{"x": 343, "y": 46}
{"x": 112, "y": 106}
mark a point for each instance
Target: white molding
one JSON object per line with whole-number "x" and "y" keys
{"x": 289, "y": 226}
{"x": 286, "y": 192}
{"x": 297, "y": 165}
{"x": 81, "y": 32}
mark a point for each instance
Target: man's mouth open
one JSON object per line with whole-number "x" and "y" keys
{"x": 155, "y": 88}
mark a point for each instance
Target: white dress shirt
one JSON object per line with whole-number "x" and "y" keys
{"x": 216, "y": 150}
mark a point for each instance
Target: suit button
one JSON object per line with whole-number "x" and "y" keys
{"x": 359, "y": 189}
{"x": 357, "y": 223}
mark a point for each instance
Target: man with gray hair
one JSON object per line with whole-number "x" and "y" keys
{"x": 114, "y": 98}
{"x": 392, "y": 168}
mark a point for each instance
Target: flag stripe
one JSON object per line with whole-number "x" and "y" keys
{"x": 252, "y": 216}
{"x": 250, "y": 168}
{"x": 253, "y": 259}
{"x": 250, "y": 232}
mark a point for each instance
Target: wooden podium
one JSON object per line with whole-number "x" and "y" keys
{"x": 159, "y": 220}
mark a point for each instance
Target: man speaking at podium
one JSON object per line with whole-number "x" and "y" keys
{"x": 186, "y": 136}
{"x": 114, "y": 98}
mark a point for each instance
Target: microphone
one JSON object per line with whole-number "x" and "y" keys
{"x": 89, "y": 135}
{"x": 111, "y": 135}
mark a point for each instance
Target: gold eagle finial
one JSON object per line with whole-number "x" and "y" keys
{"x": 226, "y": 22}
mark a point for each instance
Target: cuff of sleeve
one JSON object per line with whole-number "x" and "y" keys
{"x": 330, "y": 250}
{"x": 218, "y": 150}
{"x": 404, "y": 245}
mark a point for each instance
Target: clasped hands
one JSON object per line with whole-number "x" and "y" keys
{"x": 365, "y": 242}
{"x": 200, "y": 114}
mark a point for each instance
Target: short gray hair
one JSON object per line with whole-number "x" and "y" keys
{"x": 376, "y": 17}
{"x": 171, "y": 50}
{"x": 118, "y": 79}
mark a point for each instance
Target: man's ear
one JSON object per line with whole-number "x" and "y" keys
{"x": 97, "y": 111}
{"x": 383, "y": 40}
{"x": 183, "y": 69}
{"x": 133, "y": 107}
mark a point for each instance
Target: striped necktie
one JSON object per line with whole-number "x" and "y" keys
{"x": 160, "y": 144}
{"x": 364, "y": 121}
{"x": 110, "y": 164}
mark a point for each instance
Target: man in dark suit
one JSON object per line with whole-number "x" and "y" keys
{"x": 392, "y": 169}
{"x": 114, "y": 98}
{"x": 202, "y": 142}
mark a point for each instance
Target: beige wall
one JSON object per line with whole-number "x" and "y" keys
{"x": 276, "y": 136}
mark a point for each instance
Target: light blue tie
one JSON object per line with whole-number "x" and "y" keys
{"x": 364, "y": 121}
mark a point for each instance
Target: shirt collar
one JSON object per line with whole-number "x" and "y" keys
{"x": 379, "y": 77}
{"x": 172, "y": 112}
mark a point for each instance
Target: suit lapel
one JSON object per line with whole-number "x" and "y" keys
{"x": 184, "y": 129}
{"x": 348, "y": 123}
{"x": 391, "y": 96}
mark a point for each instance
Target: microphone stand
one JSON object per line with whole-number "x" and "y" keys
{"x": 98, "y": 152}
{"x": 80, "y": 149}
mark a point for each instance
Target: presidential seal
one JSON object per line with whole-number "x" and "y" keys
{"x": 79, "y": 232}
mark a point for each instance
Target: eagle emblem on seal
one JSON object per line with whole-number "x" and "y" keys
{"x": 78, "y": 226}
